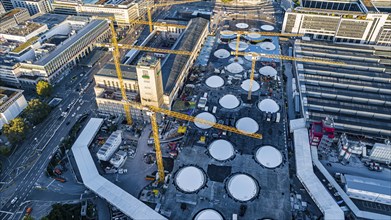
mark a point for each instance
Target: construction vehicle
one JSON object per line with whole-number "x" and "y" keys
{"x": 60, "y": 179}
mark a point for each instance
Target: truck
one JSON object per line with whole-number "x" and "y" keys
{"x": 60, "y": 179}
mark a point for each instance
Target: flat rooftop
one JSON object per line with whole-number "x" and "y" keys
{"x": 23, "y": 29}
{"x": 357, "y": 95}
{"x": 174, "y": 64}
{"x": 50, "y": 20}
{"x": 128, "y": 71}
{"x": 69, "y": 42}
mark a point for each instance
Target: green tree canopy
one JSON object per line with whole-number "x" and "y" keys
{"x": 44, "y": 88}
{"x": 36, "y": 111}
{"x": 64, "y": 212}
{"x": 15, "y": 131}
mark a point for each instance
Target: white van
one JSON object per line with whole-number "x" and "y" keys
{"x": 14, "y": 200}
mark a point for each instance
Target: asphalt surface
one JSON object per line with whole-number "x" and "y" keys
{"x": 36, "y": 153}
{"x": 27, "y": 164}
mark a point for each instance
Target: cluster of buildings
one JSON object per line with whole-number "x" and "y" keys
{"x": 32, "y": 52}
{"x": 339, "y": 26}
{"x": 345, "y": 107}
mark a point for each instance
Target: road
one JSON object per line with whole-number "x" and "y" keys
{"x": 24, "y": 167}
{"x": 46, "y": 144}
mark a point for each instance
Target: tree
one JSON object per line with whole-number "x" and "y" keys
{"x": 64, "y": 212}
{"x": 16, "y": 130}
{"x": 44, "y": 88}
{"x": 36, "y": 111}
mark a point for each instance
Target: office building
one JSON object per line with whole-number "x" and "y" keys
{"x": 24, "y": 32}
{"x": 356, "y": 93}
{"x": 34, "y": 6}
{"x": 7, "y": 5}
{"x": 368, "y": 189}
{"x": 381, "y": 153}
{"x": 342, "y": 5}
{"x": 12, "y": 103}
{"x": 110, "y": 147}
{"x": 123, "y": 13}
{"x": 2, "y": 9}
{"x": 340, "y": 26}
{"x": 9, "y": 71}
{"x": 50, "y": 63}
{"x": 13, "y": 18}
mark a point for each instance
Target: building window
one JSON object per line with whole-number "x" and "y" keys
{"x": 145, "y": 74}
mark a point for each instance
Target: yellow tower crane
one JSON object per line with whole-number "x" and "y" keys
{"x": 149, "y": 8}
{"x": 255, "y": 56}
{"x": 239, "y": 33}
{"x": 114, "y": 46}
{"x": 155, "y": 129}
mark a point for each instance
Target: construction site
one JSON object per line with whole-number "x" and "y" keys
{"x": 216, "y": 146}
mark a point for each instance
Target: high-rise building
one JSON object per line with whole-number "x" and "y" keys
{"x": 149, "y": 77}
{"x": 7, "y": 4}
{"x": 340, "y": 26}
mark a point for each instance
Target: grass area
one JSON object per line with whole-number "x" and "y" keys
{"x": 25, "y": 45}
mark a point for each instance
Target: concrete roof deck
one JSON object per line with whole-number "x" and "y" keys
{"x": 128, "y": 71}
{"x": 273, "y": 199}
